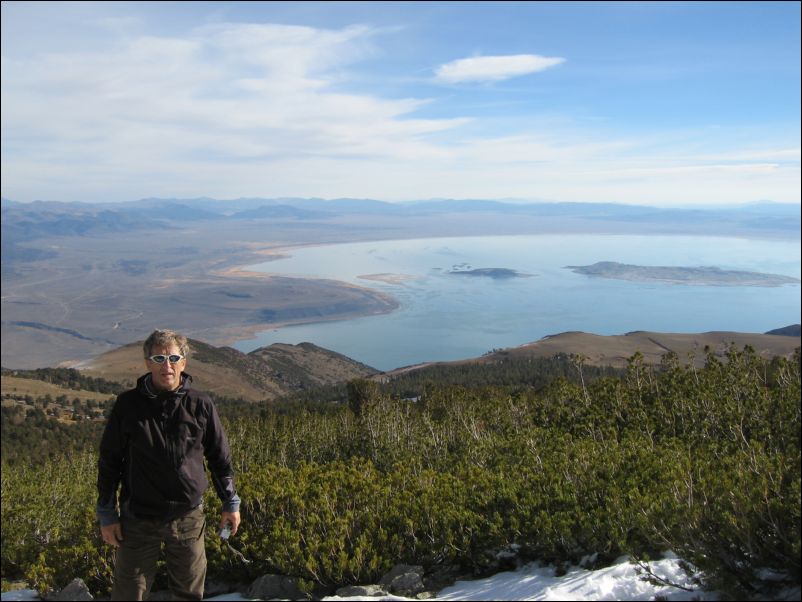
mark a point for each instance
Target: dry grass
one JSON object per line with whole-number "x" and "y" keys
{"x": 125, "y": 365}
{"x": 265, "y": 374}
{"x": 615, "y": 350}
{"x": 20, "y": 387}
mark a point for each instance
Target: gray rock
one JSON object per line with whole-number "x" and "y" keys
{"x": 76, "y": 590}
{"x": 404, "y": 580}
{"x": 407, "y": 585}
{"x": 399, "y": 570}
{"x": 361, "y": 590}
{"x": 268, "y": 587}
{"x": 442, "y": 577}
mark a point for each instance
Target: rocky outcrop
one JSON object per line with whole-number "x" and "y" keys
{"x": 363, "y": 591}
{"x": 404, "y": 580}
{"x": 76, "y": 590}
{"x": 269, "y": 587}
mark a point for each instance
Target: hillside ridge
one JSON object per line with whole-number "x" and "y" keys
{"x": 271, "y": 372}
{"x": 263, "y": 374}
{"x": 615, "y": 350}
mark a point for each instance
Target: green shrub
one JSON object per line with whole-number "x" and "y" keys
{"x": 705, "y": 462}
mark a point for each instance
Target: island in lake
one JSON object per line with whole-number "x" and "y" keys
{"x": 704, "y": 275}
{"x": 495, "y": 273}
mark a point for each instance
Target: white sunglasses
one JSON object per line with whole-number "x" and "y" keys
{"x": 173, "y": 358}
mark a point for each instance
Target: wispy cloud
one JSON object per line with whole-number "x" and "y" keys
{"x": 260, "y": 109}
{"x": 229, "y": 91}
{"x": 494, "y": 68}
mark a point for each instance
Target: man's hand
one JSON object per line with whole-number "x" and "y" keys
{"x": 113, "y": 534}
{"x": 232, "y": 518}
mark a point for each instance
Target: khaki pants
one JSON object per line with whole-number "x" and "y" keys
{"x": 184, "y": 551}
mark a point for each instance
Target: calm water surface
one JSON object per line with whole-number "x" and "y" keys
{"x": 447, "y": 317}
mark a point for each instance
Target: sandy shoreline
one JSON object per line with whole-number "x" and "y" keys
{"x": 233, "y": 334}
{"x": 389, "y": 278}
{"x": 271, "y": 253}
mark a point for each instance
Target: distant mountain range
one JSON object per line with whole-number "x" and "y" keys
{"x": 26, "y": 221}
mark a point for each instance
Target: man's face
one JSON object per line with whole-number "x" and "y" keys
{"x": 166, "y": 376}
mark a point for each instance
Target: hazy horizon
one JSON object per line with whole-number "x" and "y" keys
{"x": 664, "y": 104}
{"x": 510, "y": 201}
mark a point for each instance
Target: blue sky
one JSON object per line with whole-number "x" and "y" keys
{"x": 666, "y": 104}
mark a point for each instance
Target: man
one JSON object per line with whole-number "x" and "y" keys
{"x": 154, "y": 444}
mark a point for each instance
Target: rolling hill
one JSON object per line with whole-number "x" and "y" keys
{"x": 263, "y": 374}
{"x": 615, "y": 350}
{"x": 271, "y": 372}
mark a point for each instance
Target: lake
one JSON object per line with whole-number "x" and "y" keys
{"x": 447, "y": 317}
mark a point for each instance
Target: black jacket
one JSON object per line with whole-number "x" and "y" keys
{"x": 154, "y": 444}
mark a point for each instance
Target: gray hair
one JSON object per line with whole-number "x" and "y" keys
{"x": 165, "y": 338}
